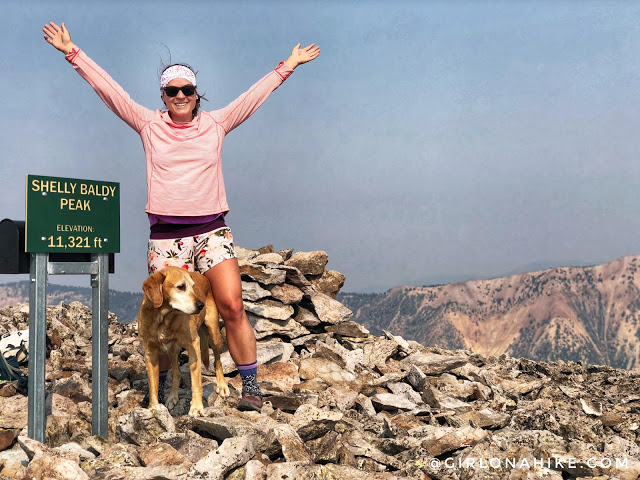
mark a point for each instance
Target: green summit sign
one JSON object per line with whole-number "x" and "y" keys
{"x": 72, "y": 215}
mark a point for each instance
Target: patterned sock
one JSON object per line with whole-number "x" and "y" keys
{"x": 249, "y": 373}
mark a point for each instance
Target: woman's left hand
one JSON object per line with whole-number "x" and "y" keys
{"x": 302, "y": 55}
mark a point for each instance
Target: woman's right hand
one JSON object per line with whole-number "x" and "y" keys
{"x": 58, "y": 37}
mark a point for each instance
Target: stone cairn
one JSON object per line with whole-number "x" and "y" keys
{"x": 340, "y": 403}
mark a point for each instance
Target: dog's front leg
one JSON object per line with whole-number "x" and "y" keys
{"x": 212, "y": 322}
{"x": 153, "y": 373}
{"x": 172, "y": 399}
{"x": 195, "y": 367}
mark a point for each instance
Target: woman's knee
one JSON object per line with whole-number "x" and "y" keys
{"x": 231, "y": 309}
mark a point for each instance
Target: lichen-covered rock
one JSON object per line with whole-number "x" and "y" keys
{"x": 232, "y": 453}
{"x": 144, "y": 425}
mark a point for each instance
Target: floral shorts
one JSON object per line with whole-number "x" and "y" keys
{"x": 197, "y": 253}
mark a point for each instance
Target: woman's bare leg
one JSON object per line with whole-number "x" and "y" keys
{"x": 227, "y": 293}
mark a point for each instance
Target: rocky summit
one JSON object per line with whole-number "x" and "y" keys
{"x": 340, "y": 403}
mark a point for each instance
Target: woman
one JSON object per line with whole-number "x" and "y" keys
{"x": 186, "y": 200}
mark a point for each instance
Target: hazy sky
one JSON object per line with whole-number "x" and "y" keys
{"x": 430, "y": 141}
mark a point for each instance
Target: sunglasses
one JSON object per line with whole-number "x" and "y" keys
{"x": 188, "y": 90}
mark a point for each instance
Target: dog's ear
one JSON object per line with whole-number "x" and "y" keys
{"x": 152, "y": 288}
{"x": 201, "y": 286}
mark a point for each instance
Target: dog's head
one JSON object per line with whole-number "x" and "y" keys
{"x": 174, "y": 287}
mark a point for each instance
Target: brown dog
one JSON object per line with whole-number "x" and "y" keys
{"x": 177, "y": 311}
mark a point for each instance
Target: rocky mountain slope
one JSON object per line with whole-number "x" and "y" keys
{"x": 124, "y": 304}
{"x": 340, "y": 403}
{"x": 581, "y": 314}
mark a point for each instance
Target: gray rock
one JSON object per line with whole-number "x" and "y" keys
{"x": 436, "y": 399}
{"x": 293, "y": 449}
{"x": 591, "y": 407}
{"x": 416, "y": 378}
{"x": 268, "y": 259}
{"x": 231, "y": 454}
{"x": 14, "y": 412}
{"x": 389, "y": 401}
{"x": 245, "y": 254}
{"x": 403, "y": 345}
{"x": 74, "y": 449}
{"x": 32, "y": 447}
{"x": 366, "y": 405}
{"x": 377, "y": 352}
{"x": 289, "y": 402}
{"x": 333, "y": 351}
{"x": 252, "y": 291}
{"x": 143, "y": 426}
{"x": 311, "y": 422}
{"x": 75, "y": 387}
{"x": 264, "y": 327}
{"x": 12, "y": 462}
{"x": 440, "y": 440}
{"x": 328, "y": 309}
{"x": 309, "y": 263}
{"x": 171, "y": 472}
{"x": 359, "y": 447}
{"x": 348, "y": 329}
{"x": 191, "y": 445}
{"x": 264, "y": 275}
{"x": 286, "y": 253}
{"x": 255, "y": 470}
{"x": 329, "y": 283}
{"x": 486, "y": 418}
{"x": 405, "y": 390}
{"x": 222, "y": 428}
{"x": 294, "y": 276}
{"x": 433, "y": 363}
{"x": 340, "y": 397}
{"x": 324, "y": 369}
{"x": 287, "y": 294}
{"x": 54, "y": 468}
{"x": 271, "y": 309}
{"x": 291, "y": 470}
{"x": 306, "y": 317}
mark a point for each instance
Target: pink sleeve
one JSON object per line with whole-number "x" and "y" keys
{"x": 246, "y": 104}
{"x": 112, "y": 94}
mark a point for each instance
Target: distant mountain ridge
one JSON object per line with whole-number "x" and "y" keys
{"x": 588, "y": 314}
{"x": 124, "y": 304}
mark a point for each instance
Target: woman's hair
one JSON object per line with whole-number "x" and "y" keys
{"x": 198, "y": 96}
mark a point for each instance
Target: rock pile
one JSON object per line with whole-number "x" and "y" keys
{"x": 340, "y": 403}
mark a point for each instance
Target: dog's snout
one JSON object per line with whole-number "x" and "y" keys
{"x": 199, "y": 305}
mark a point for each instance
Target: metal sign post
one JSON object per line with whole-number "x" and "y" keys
{"x": 66, "y": 217}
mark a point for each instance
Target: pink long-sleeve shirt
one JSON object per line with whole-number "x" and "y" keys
{"x": 184, "y": 161}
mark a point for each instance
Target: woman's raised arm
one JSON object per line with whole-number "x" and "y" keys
{"x": 302, "y": 55}
{"x": 112, "y": 94}
{"x": 59, "y": 37}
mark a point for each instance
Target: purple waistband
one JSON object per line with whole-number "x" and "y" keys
{"x": 164, "y": 231}
{"x": 153, "y": 218}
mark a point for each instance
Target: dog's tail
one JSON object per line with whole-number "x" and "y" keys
{"x": 204, "y": 345}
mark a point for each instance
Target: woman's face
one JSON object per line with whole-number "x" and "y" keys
{"x": 180, "y": 107}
